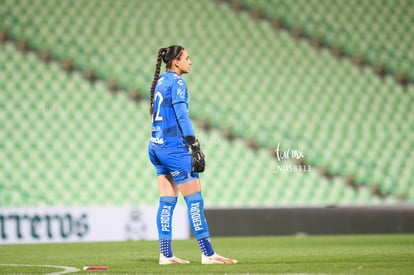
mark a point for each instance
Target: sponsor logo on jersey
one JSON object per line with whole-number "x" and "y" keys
{"x": 181, "y": 93}
{"x": 157, "y": 140}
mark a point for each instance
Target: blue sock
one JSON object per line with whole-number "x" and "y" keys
{"x": 164, "y": 224}
{"x": 198, "y": 222}
{"x": 165, "y": 248}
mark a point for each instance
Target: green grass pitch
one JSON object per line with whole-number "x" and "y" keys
{"x": 353, "y": 254}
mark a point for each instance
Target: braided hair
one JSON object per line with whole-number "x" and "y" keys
{"x": 167, "y": 55}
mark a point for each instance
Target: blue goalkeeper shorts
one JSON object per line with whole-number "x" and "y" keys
{"x": 175, "y": 162}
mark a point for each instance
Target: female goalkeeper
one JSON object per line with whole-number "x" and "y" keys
{"x": 176, "y": 155}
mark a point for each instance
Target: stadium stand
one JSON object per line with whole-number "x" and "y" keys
{"x": 377, "y": 31}
{"x": 69, "y": 141}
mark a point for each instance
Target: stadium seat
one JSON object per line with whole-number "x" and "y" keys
{"x": 245, "y": 77}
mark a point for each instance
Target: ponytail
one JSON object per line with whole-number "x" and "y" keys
{"x": 161, "y": 54}
{"x": 167, "y": 55}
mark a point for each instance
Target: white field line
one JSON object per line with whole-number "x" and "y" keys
{"x": 66, "y": 269}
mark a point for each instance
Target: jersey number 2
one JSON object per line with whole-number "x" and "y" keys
{"x": 157, "y": 113}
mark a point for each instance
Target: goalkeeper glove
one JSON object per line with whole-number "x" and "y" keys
{"x": 197, "y": 156}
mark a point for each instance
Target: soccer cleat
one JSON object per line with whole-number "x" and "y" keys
{"x": 216, "y": 259}
{"x": 171, "y": 260}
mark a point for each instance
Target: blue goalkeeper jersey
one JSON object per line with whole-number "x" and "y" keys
{"x": 170, "y": 119}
